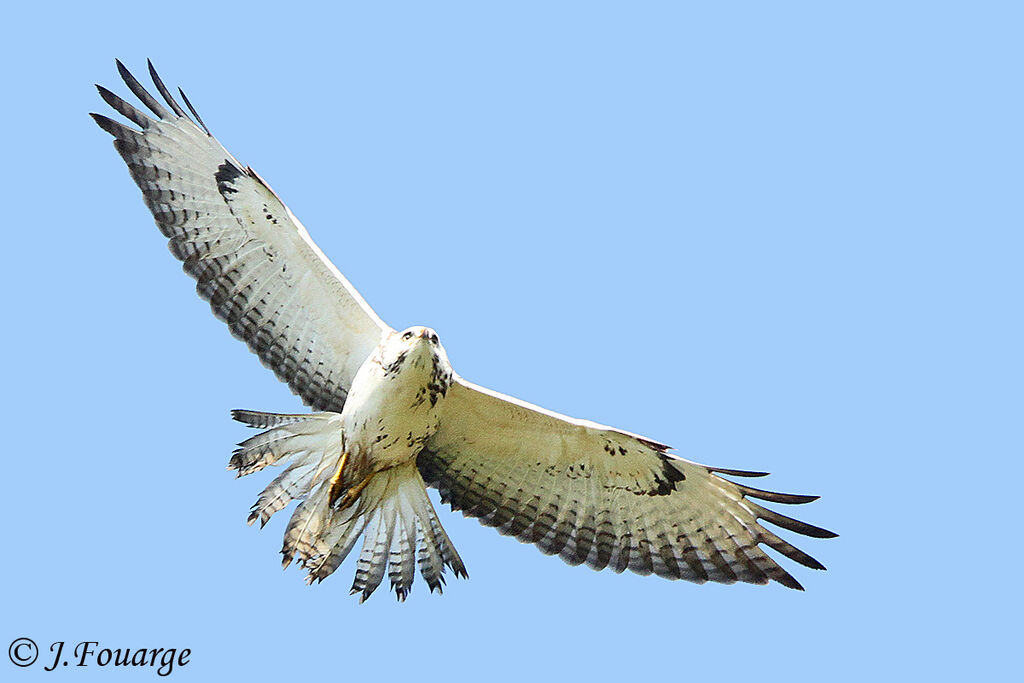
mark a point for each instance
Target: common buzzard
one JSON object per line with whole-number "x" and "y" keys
{"x": 393, "y": 416}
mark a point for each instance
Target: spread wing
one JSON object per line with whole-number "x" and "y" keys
{"x": 252, "y": 259}
{"x": 592, "y": 494}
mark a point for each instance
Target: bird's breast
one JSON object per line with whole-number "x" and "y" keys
{"x": 389, "y": 414}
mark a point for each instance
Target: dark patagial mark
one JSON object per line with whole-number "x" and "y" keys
{"x": 667, "y": 480}
{"x": 226, "y": 176}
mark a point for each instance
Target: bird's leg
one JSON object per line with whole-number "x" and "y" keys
{"x": 352, "y": 493}
{"x": 336, "y": 481}
{"x": 339, "y": 488}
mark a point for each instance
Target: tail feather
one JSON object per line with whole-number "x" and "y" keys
{"x": 448, "y": 552}
{"x": 429, "y": 559}
{"x": 295, "y": 437}
{"x": 304, "y": 536}
{"x": 400, "y": 526}
{"x": 392, "y": 513}
{"x": 341, "y": 538}
{"x": 373, "y": 529}
{"x": 257, "y": 452}
{"x": 290, "y": 485}
{"x": 373, "y": 560}
{"x": 402, "y": 560}
{"x": 260, "y": 420}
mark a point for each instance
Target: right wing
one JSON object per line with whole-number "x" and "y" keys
{"x": 252, "y": 259}
{"x": 596, "y": 495}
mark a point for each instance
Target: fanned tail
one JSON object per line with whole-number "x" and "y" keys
{"x": 392, "y": 513}
{"x": 299, "y": 438}
{"x": 309, "y": 444}
{"x": 399, "y": 526}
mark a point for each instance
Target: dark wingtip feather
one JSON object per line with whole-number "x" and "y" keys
{"x": 140, "y": 92}
{"x": 109, "y": 97}
{"x": 173, "y": 103}
{"x": 791, "y": 524}
{"x": 121, "y": 107}
{"x": 736, "y": 473}
{"x": 789, "y": 550}
{"x": 193, "y": 110}
{"x": 780, "y": 575}
{"x": 108, "y": 124}
{"x": 775, "y": 497}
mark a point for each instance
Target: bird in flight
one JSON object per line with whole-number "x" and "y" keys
{"x": 392, "y": 417}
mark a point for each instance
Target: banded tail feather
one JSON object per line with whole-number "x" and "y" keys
{"x": 392, "y": 513}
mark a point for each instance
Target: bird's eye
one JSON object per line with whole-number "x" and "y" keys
{"x": 433, "y": 338}
{"x": 407, "y": 336}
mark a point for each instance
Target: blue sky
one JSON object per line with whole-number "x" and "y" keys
{"x": 779, "y": 236}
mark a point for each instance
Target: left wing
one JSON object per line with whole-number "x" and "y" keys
{"x": 251, "y": 258}
{"x": 604, "y": 497}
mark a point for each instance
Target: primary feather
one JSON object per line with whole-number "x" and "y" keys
{"x": 251, "y": 258}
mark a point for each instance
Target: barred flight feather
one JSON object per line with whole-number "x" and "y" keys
{"x": 602, "y": 497}
{"x": 251, "y": 258}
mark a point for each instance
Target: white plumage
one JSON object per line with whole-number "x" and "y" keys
{"x": 392, "y": 513}
{"x": 394, "y": 415}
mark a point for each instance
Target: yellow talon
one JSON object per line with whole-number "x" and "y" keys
{"x": 336, "y": 484}
{"x": 353, "y": 493}
{"x": 347, "y": 494}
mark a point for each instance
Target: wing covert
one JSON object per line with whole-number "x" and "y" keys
{"x": 251, "y": 258}
{"x": 607, "y": 498}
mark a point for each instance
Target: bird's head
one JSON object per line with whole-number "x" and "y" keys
{"x": 417, "y": 345}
